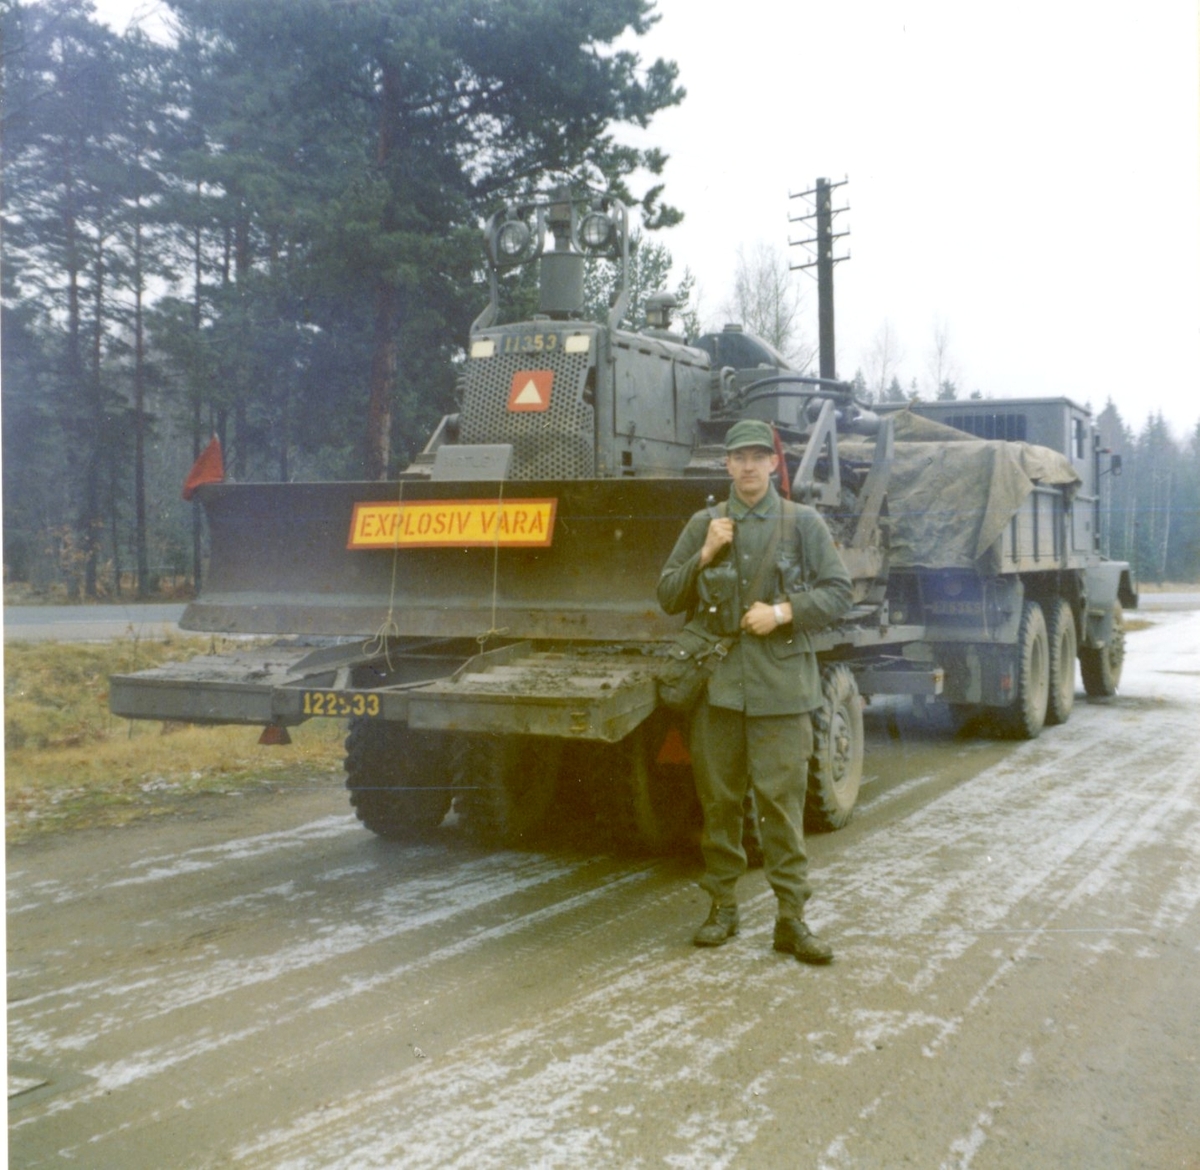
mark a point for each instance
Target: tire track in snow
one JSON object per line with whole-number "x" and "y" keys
{"x": 916, "y": 903}
{"x": 24, "y": 898}
{"x": 1059, "y": 847}
{"x": 1146, "y": 818}
{"x": 170, "y": 987}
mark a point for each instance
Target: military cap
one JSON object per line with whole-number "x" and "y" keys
{"x": 750, "y": 432}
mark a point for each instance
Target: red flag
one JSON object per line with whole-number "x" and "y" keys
{"x": 785, "y": 487}
{"x": 209, "y": 468}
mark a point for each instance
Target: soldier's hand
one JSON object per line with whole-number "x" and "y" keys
{"x": 761, "y": 619}
{"x": 720, "y": 535}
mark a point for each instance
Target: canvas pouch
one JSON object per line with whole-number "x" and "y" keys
{"x": 691, "y": 658}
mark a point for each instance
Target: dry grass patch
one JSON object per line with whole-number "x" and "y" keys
{"x": 69, "y": 763}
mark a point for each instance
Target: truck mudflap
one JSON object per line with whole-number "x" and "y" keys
{"x": 515, "y": 689}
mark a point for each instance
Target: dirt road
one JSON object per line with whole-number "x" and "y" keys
{"x": 1016, "y": 983}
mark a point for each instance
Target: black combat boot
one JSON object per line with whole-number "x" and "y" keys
{"x": 793, "y": 937}
{"x": 719, "y": 927}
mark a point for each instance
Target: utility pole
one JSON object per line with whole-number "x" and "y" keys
{"x": 823, "y": 262}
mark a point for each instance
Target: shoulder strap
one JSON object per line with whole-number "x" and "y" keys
{"x": 795, "y": 546}
{"x": 791, "y": 513}
{"x": 768, "y": 557}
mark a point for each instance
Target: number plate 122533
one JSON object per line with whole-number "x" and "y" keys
{"x": 362, "y": 703}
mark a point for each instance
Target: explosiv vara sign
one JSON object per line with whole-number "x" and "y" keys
{"x": 452, "y": 524}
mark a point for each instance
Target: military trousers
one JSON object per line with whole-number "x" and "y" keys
{"x": 732, "y": 752}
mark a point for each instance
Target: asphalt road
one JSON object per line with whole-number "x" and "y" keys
{"x": 94, "y": 623}
{"x": 1017, "y": 930}
{"x": 88, "y": 623}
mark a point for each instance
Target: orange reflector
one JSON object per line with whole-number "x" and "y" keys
{"x": 274, "y": 734}
{"x": 673, "y": 749}
{"x": 530, "y": 390}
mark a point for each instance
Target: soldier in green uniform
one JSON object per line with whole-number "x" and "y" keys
{"x": 753, "y": 726}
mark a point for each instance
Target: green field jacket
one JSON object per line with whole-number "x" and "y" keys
{"x": 776, "y": 674}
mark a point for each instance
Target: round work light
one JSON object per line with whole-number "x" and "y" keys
{"x": 595, "y": 230}
{"x": 512, "y": 239}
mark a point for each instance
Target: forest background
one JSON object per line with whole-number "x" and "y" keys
{"x": 269, "y": 230}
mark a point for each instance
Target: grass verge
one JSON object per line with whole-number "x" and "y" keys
{"x": 69, "y": 763}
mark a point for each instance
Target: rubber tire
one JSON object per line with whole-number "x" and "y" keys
{"x": 506, "y": 785}
{"x": 835, "y": 768}
{"x": 1025, "y": 717}
{"x": 1101, "y": 665}
{"x": 1060, "y": 632}
{"x": 398, "y": 779}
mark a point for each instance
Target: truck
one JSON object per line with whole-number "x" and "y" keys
{"x": 486, "y": 620}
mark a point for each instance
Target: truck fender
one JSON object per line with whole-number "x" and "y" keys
{"x": 1102, "y": 586}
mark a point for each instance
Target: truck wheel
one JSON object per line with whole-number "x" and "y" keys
{"x": 835, "y": 769}
{"x": 1026, "y": 715}
{"x": 505, "y": 786}
{"x": 1101, "y": 665}
{"x": 399, "y": 779}
{"x": 1061, "y": 635}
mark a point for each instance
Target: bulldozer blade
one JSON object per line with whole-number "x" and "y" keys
{"x": 357, "y": 559}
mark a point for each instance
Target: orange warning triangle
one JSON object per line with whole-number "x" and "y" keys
{"x": 673, "y": 750}
{"x": 530, "y": 390}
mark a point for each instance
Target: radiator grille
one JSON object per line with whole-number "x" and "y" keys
{"x": 558, "y": 443}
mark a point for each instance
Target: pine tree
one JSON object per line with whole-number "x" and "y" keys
{"x": 649, "y": 272}
{"x": 370, "y": 137}
{"x": 1186, "y": 565}
{"x": 61, "y": 210}
{"x": 271, "y": 231}
{"x": 1117, "y": 491}
{"x": 1157, "y": 459}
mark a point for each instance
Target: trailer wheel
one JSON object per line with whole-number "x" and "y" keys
{"x": 835, "y": 769}
{"x": 1026, "y": 715}
{"x": 399, "y": 779}
{"x": 505, "y": 786}
{"x": 1101, "y": 665}
{"x": 1061, "y": 635}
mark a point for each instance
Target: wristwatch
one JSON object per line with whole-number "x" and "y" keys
{"x": 778, "y": 609}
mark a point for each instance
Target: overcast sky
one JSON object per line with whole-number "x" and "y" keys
{"x": 1024, "y": 174}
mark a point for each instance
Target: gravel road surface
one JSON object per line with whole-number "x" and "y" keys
{"x": 262, "y": 983}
